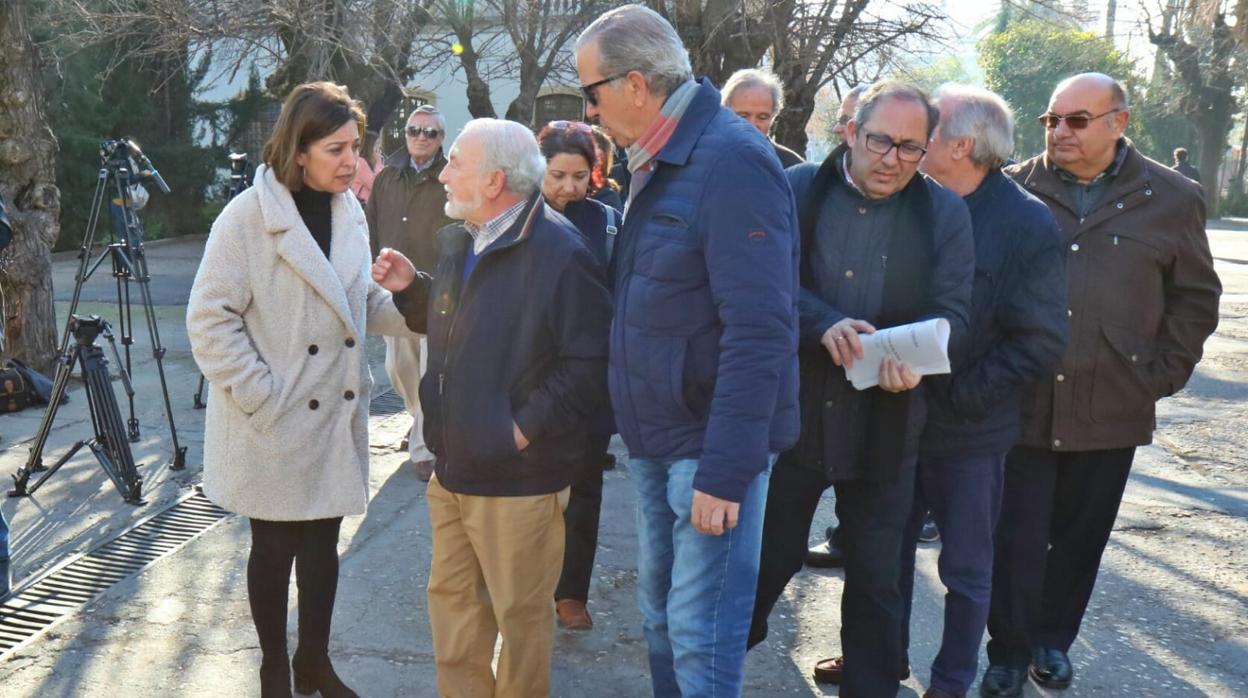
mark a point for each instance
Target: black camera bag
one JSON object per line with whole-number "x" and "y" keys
{"x": 16, "y": 393}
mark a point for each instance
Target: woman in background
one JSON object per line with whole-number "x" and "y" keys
{"x": 572, "y": 160}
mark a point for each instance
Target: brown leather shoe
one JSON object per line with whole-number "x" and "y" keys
{"x": 424, "y": 469}
{"x": 573, "y": 615}
{"x": 831, "y": 670}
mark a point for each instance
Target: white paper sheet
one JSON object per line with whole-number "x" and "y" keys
{"x": 922, "y": 345}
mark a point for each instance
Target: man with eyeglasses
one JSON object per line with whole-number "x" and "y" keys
{"x": 1143, "y": 297}
{"x": 405, "y": 211}
{"x": 881, "y": 246}
{"x": 703, "y": 358}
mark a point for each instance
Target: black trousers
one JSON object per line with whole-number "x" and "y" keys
{"x": 312, "y": 546}
{"x": 872, "y": 519}
{"x": 581, "y": 522}
{"x": 1057, "y": 512}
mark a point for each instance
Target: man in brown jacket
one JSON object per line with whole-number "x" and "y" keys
{"x": 404, "y": 212}
{"x": 1143, "y": 299}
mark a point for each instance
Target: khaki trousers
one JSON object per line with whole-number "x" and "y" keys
{"x": 405, "y": 365}
{"x": 496, "y": 561}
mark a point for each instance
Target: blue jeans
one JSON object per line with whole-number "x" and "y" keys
{"x": 964, "y": 496}
{"x": 696, "y": 591}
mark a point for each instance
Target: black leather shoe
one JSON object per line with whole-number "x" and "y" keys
{"x": 1001, "y": 681}
{"x": 1051, "y": 668}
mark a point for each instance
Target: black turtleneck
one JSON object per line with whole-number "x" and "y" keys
{"x": 313, "y": 208}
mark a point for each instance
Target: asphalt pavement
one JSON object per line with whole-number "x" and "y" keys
{"x": 1169, "y": 616}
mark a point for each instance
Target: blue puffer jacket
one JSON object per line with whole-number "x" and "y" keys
{"x": 703, "y": 360}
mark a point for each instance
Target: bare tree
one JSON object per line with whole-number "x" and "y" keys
{"x": 724, "y": 36}
{"x": 364, "y": 44}
{"x": 525, "y": 41}
{"x": 1209, "y": 63}
{"x": 829, "y": 39}
{"x": 27, "y": 182}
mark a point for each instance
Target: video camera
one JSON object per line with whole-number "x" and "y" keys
{"x": 117, "y": 154}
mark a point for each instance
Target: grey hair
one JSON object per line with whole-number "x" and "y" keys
{"x": 895, "y": 89}
{"x": 855, "y": 93}
{"x": 509, "y": 146}
{"x": 973, "y": 112}
{"x": 752, "y": 78}
{"x": 430, "y": 110}
{"x": 634, "y": 37}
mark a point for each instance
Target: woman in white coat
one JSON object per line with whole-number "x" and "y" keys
{"x": 277, "y": 318}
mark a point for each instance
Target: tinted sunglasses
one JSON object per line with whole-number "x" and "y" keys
{"x": 591, "y": 90}
{"x": 577, "y": 125}
{"x": 417, "y": 131}
{"x": 1075, "y": 122}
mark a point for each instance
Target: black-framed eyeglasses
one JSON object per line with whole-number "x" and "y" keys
{"x": 591, "y": 90}
{"x": 418, "y": 131}
{"x": 906, "y": 152}
{"x": 1076, "y": 122}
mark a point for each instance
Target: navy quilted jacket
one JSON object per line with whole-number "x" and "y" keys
{"x": 703, "y": 360}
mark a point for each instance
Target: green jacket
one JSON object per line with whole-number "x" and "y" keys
{"x": 405, "y": 210}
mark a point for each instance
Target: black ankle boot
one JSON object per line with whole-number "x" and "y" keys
{"x": 318, "y": 675}
{"x": 275, "y": 679}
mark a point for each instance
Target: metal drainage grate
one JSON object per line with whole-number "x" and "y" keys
{"x": 383, "y": 406}
{"x": 64, "y": 589}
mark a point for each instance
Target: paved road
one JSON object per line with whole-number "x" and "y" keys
{"x": 1169, "y": 617}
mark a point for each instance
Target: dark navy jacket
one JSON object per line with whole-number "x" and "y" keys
{"x": 848, "y": 260}
{"x": 592, "y": 218}
{"x": 524, "y": 340}
{"x": 1018, "y": 328}
{"x": 704, "y": 340}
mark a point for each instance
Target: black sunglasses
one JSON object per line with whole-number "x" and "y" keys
{"x": 1076, "y": 122}
{"x": 591, "y": 90}
{"x": 417, "y": 131}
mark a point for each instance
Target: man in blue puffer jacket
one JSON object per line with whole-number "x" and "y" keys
{"x": 703, "y": 366}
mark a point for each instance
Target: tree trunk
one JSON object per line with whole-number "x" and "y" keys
{"x": 27, "y": 180}
{"x": 1111, "y": 15}
{"x": 790, "y": 128}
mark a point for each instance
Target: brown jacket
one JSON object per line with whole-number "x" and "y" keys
{"x": 405, "y": 210}
{"x": 1143, "y": 299}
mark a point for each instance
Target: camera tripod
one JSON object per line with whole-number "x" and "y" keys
{"x": 129, "y": 264}
{"x": 109, "y": 442}
{"x": 238, "y": 182}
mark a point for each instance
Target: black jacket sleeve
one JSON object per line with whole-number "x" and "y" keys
{"x": 413, "y": 303}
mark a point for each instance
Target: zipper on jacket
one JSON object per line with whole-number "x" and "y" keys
{"x": 450, "y": 335}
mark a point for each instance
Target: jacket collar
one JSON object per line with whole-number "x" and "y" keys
{"x": 402, "y": 161}
{"x": 455, "y": 237}
{"x": 701, "y": 110}
{"x": 328, "y": 277}
{"x": 1041, "y": 177}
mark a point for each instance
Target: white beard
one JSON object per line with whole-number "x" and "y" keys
{"x": 459, "y": 210}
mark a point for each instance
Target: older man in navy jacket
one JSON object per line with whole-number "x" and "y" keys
{"x": 517, "y": 317}
{"x": 1018, "y": 330}
{"x": 703, "y": 368}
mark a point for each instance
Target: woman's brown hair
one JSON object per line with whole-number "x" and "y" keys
{"x": 313, "y": 111}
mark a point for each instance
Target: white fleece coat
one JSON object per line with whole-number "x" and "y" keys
{"x": 278, "y": 330}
